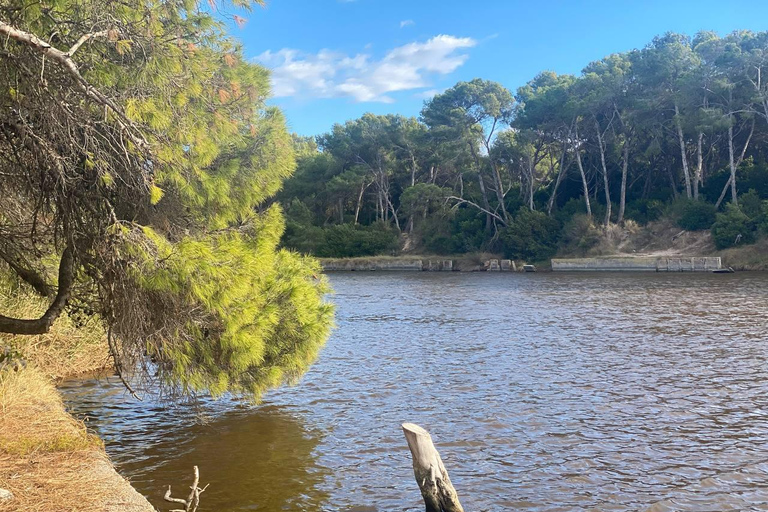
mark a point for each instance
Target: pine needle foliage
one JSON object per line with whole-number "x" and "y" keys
{"x": 137, "y": 154}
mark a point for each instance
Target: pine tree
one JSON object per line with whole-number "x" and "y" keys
{"x": 136, "y": 150}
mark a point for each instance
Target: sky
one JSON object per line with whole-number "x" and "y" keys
{"x": 334, "y": 60}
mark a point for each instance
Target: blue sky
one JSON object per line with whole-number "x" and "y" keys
{"x": 334, "y": 60}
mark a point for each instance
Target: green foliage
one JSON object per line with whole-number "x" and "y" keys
{"x": 580, "y": 234}
{"x": 531, "y": 236}
{"x": 751, "y": 204}
{"x": 159, "y": 185}
{"x": 696, "y": 215}
{"x": 348, "y": 241}
{"x": 341, "y": 240}
{"x": 461, "y": 232}
{"x": 733, "y": 228}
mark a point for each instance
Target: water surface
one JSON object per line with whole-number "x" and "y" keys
{"x": 543, "y": 392}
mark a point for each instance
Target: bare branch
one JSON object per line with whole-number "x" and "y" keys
{"x": 85, "y": 38}
{"x": 193, "y": 500}
{"x": 64, "y": 59}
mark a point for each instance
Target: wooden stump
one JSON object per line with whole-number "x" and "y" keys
{"x": 431, "y": 476}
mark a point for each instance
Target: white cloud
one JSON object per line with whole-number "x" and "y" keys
{"x": 406, "y": 23}
{"x": 329, "y": 74}
{"x": 428, "y": 94}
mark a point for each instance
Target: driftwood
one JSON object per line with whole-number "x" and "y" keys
{"x": 431, "y": 476}
{"x": 193, "y": 500}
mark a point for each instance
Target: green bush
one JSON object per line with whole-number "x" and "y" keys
{"x": 580, "y": 233}
{"x": 462, "y": 231}
{"x": 348, "y": 241}
{"x": 751, "y": 204}
{"x": 696, "y": 215}
{"x": 733, "y": 227}
{"x": 531, "y": 236}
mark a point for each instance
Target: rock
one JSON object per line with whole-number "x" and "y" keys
{"x": 5, "y": 495}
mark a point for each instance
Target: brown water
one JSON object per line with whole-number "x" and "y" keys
{"x": 543, "y": 392}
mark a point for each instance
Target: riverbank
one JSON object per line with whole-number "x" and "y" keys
{"x": 469, "y": 262}
{"x": 630, "y": 245}
{"x": 48, "y": 460}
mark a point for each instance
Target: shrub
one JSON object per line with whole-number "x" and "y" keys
{"x": 580, "y": 233}
{"x": 751, "y": 204}
{"x": 732, "y": 228}
{"x": 348, "y": 241}
{"x": 530, "y": 236}
{"x": 696, "y": 215}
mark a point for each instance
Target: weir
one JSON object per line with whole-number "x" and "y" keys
{"x": 639, "y": 264}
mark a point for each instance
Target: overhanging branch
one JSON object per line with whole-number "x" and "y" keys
{"x": 64, "y": 59}
{"x": 43, "y": 324}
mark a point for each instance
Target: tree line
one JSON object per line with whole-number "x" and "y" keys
{"x": 681, "y": 121}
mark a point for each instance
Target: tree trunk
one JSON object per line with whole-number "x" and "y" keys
{"x": 623, "y": 193}
{"x": 583, "y": 176}
{"x": 359, "y": 202}
{"x": 436, "y": 488}
{"x": 734, "y": 165}
{"x": 697, "y": 178}
{"x": 560, "y": 174}
{"x": 43, "y": 324}
{"x": 483, "y": 192}
{"x": 608, "y": 205}
{"x": 732, "y": 162}
{"x": 686, "y": 172}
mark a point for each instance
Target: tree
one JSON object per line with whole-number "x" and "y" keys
{"x": 136, "y": 149}
{"x": 473, "y": 112}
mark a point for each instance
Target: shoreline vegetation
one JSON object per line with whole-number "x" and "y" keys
{"x": 674, "y": 134}
{"x": 48, "y": 459}
{"x": 661, "y": 239}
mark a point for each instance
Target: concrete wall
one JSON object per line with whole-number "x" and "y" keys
{"x": 363, "y": 264}
{"x": 639, "y": 264}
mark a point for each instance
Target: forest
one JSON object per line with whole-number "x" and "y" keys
{"x": 677, "y": 130}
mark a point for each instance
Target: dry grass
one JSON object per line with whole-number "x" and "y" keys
{"x": 67, "y": 350}
{"x": 47, "y": 459}
{"x": 33, "y": 418}
{"x": 747, "y": 257}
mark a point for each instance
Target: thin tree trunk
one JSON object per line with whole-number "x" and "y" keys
{"x": 608, "y": 205}
{"x": 359, "y": 202}
{"x": 697, "y": 178}
{"x": 560, "y": 174}
{"x": 734, "y": 165}
{"x": 681, "y": 138}
{"x": 672, "y": 183}
{"x": 623, "y": 193}
{"x": 734, "y": 197}
{"x": 481, "y": 182}
{"x": 583, "y": 175}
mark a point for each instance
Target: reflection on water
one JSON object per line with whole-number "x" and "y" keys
{"x": 545, "y": 392}
{"x": 257, "y": 459}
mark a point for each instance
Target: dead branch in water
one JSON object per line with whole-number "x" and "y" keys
{"x": 193, "y": 500}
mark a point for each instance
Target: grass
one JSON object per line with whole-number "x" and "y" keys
{"x": 48, "y": 459}
{"x": 67, "y": 350}
{"x": 33, "y": 418}
{"x": 747, "y": 257}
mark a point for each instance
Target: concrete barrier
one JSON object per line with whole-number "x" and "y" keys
{"x": 369, "y": 264}
{"x": 639, "y": 264}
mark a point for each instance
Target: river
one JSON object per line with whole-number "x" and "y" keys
{"x": 543, "y": 392}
